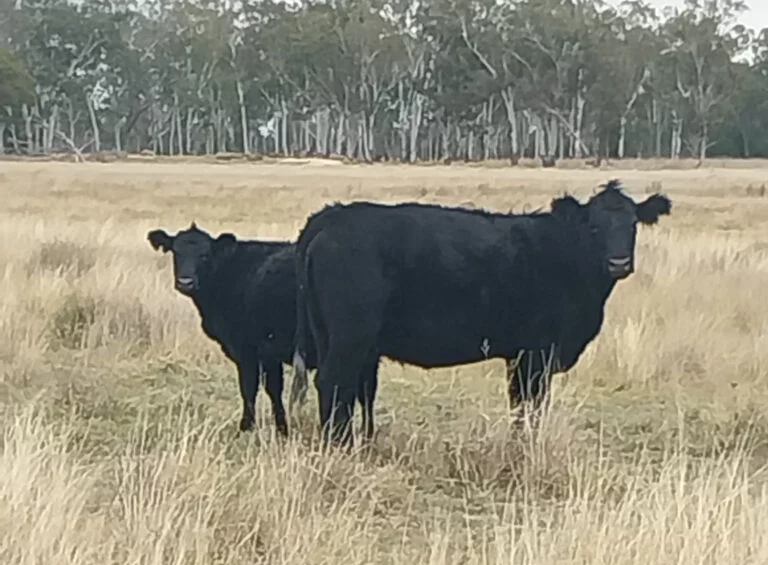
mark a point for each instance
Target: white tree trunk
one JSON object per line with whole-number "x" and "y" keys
{"x": 704, "y": 141}
{"x": 171, "y": 131}
{"x": 552, "y": 136}
{"x": 27, "y": 116}
{"x": 414, "y": 126}
{"x": 118, "y": 132}
{"x": 284, "y": 127}
{"x": 402, "y": 119}
{"x": 622, "y": 135}
{"x": 243, "y": 116}
{"x": 579, "y": 125}
{"x": 340, "y": 128}
{"x": 94, "y": 124}
{"x": 15, "y": 139}
{"x": 677, "y": 136}
{"x": 50, "y": 132}
{"x": 323, "y": 131}
{"x": 191, "y": 119}
{"x": 179, "y": 130}
{"x": 508, "y": 95}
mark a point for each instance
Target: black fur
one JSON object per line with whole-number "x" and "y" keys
{"x": 228, "y": 289}
{"x": 436, "y": 286}
{"x": 245, "y": 293}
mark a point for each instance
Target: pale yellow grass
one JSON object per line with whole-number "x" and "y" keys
{"x": 119, "y": 416}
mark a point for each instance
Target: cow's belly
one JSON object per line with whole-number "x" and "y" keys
{"x": 441, "y": 341}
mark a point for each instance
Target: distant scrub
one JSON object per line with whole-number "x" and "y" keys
{"x": 82, "y": 321}
{"x": 63, "y": 257}
{"x": 72, "y": 321}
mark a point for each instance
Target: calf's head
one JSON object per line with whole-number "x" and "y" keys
{"x": 611, "y": 217}
{"x": 194, "y": 254}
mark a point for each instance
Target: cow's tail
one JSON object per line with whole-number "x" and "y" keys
{"x": 299, "y": 385}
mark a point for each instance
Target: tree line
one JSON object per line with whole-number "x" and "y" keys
{"x": 383, "y": 79}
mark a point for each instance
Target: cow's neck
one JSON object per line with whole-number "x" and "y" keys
{"x": 605, "y": 283}
{"x": 600, "y": 284}
{"x": 607, "y": 288}
{"x": 213, "y": 293}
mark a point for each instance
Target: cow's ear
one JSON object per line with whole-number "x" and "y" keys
{"x": 225, "y": 242}
{"x": 650, "y": 209}
{"x": 568, "y": 208}
{"x": 159, "y": 239}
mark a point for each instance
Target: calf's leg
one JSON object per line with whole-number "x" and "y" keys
{"x": 274, "y": 386}
{"x": 248, "y": 377}
{"x": 367, "y": 394}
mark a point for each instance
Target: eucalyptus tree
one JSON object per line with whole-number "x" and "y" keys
{"x": 370, "y": 79}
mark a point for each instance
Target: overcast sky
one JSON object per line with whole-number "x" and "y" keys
{"x": 756, "y": 17}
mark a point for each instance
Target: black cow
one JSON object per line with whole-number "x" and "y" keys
{"x": 272, "y": 314}
{"x": 436, "y": 286}
{"x": 245, "y": 293}
{"x": 273, "y": 309}
{"x": 219, "y": 276}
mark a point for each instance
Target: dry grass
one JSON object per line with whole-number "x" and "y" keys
{"x": 120, "y": 417}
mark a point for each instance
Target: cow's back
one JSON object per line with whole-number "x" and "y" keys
{"x": 413, "y": 237}
{"x": 454, "y": 279}
{"x": 272, "y": 303}
{"x": 229, "y": 307}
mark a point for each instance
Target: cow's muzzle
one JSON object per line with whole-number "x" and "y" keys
{"x": 185, "y": 285}
{"x": 620, "y": 267}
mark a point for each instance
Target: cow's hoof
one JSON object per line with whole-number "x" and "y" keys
{"x": 246, "y": 425}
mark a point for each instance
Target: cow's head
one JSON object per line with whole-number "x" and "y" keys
{"x": 194, "y": 253}
{"x": 612, "y": 217}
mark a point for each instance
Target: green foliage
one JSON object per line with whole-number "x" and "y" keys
{"x": 365, "y": 78}
{"x": 16, "y": 84}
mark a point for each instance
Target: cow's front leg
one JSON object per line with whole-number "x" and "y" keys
{"x": 529, "y": 379}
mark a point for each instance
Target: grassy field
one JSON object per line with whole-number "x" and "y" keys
{"x": 119, "y": 417}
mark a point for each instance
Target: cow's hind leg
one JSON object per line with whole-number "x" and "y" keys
{"x": 347, "y": 366}
{"x": 347, "y": 293}
{"x": 338, "y": 383}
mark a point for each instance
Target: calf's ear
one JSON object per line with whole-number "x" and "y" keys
{"x": 159, "y": 239}
{"x": 651, "y": 208}
{"x": 568, "y": 208}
